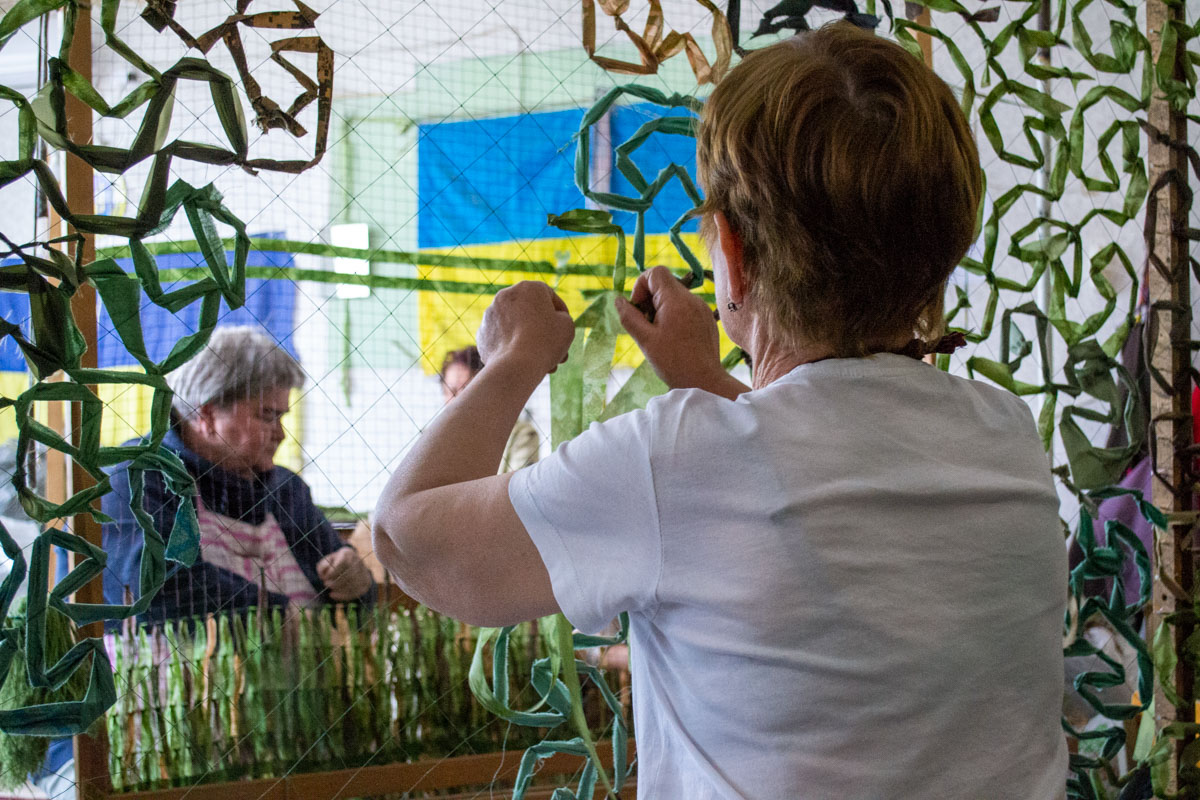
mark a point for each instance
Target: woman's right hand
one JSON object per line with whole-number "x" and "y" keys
{"x": 682, "y": 343}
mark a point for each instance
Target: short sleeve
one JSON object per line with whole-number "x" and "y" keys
{"x": 590, "y": 510}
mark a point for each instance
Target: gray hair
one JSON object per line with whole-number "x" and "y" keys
{"x": 238, "y": 362}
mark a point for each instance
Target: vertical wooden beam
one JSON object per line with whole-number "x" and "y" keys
{"x": 918, "y": 13}
{"x": 58, "y": 487}
{"x": 1170, "y": 356}
{"x": 91, "y": 753}
{"x": 924, "y": 39}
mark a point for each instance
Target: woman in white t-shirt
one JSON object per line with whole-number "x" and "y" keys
{"x": 845, "y": 581}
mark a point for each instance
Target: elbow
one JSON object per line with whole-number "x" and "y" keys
{"x": 412, "y": 547}
{"x": 386, "y": 551}
{"x": 393, "y": 536}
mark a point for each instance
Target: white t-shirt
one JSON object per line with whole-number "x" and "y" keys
{"x": 847, "y": 584}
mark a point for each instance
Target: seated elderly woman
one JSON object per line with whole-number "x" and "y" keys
{"x": 257, "y": 519}
{"x": 844, "y": 581}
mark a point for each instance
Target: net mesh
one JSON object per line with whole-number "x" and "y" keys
{"x": 356, "y": 179}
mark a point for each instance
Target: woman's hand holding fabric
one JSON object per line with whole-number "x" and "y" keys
{"x": 527, "y": 322}
{"x": 682, "y": 342}
{"x": 344, "y": 574}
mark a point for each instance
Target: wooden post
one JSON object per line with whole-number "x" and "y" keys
{"x": 91, "y": 754}
{"x": 1170, "y": 405}
{"x": 58, "y": 487}
{"x": 918, "y": 13}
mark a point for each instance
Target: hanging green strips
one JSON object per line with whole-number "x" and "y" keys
{"x": 1030, "y": 273}
{"x": 578, "y": 397}
{"x": 49, "y": 277}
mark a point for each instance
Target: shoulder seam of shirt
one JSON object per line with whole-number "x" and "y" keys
{"x": 570, "y": 562}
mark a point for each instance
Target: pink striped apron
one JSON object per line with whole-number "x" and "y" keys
{"x": 258, "y": 553}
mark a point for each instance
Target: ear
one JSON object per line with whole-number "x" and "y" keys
{"x": 204, "y": 419}
{"x": 729, "y": 242}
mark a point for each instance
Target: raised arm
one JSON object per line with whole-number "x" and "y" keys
{"x": 444, "y": 526}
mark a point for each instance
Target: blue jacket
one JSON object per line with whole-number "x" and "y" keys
{"x": 204, "y": 588}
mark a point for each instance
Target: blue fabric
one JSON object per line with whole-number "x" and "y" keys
{"x": 204, "y": 588}
{"x": 270, "y": 304}
{"x": 495, "y": 180}
{"x": 657, "y": 152}
{"x": 62, "y": 564}
{"x": 14, "y": 308}
{"x": 58, "y": 753}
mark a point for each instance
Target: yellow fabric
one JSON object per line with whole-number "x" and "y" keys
{"x": 126, "y": 411}
{"x": 11, "y": 385}
{"x": 291, "y": 452}
{"x": 448, "y": 321}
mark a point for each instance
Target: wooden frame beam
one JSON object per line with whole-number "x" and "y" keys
{"x": 483, "y": 769}
{"x": 1169, "y": 334}
{"x": 91, "y": 756}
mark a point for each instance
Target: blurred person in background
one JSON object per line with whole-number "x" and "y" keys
{"x": 261, "y": 536}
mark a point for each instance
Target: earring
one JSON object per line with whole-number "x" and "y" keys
{"x": 733, "y": 306}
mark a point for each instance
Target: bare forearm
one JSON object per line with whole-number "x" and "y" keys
{"x": 468, "y": 438}
{"x": 414, "y": 521}
{"x": 444, "y": 526}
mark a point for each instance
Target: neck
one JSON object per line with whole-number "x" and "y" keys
{"x": 773, "y": 360}
{"x": 195, "y": 441}
{"x": 772, "y": 363}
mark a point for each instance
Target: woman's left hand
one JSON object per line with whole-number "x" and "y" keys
{"x": 344, "y": 574}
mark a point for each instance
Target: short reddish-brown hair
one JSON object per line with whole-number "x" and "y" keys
{"x": 850, "y": 173}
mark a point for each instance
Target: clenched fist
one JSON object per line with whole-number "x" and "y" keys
{"x": 527, "y": 321}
